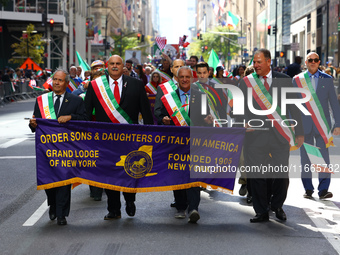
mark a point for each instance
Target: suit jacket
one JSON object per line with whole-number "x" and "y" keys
{"x": 194, "y": 109}
{"x": 133, "y": 101}
{"x": 293, "y": 69}
{"x": 71, "y": 105}
{"x": 327, "y": 97}
{"x": 279, "y": 81}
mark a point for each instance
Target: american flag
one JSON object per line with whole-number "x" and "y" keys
{"x": 215, "y": 8}
{"x": 161, "y": 42}
{"x": 124, "y": 6}
{"x": 128, "y": 13}
{"x": 221, "y": 3}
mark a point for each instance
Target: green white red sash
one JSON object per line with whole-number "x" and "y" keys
{"x": 226, "y": 94}
{"x": 175, "y": 109}
{"x": 264, "y": 99}
{"x": 314, "y": 107}
{"x": 46, "y": 106}
{"x": 107, "y": 100}
{"x": 211, "y": 102}
{"x": 168, "y": 87}
{"x": 151, "y": 89}
{"x": 165, "y": 76}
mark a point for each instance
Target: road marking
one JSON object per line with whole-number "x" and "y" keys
{"x": 16, "y": 157}
{"x": 36, "y": 215}
{"x": 6, "y": 122}
{"x": 12, "y": 142}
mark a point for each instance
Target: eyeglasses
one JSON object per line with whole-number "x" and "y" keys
{"x": 316, "y": 60}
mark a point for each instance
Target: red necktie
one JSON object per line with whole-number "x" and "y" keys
{"x": 266, "y": 85}
{"x": 116, "y": 92}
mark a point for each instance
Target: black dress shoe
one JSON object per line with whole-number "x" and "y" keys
{"x": 52, "y": 213}
{"x": 173, "y": 204}
{"x": 130, "y": 208}
{"x": 260, "y": 218}
{"x": 61, "y": 221}
{"x": 112, "y": 216}
{"x": 280, "y": 214}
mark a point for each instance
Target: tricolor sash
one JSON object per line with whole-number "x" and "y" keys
{"x": 175, "y": 109}
{"x": 226, "y": 94}
{"x": 151, "y": 89}
{"x": 211, "y": 102}
{"x": 168, "y": 87}
{"x": 314, "y": 107}
{"x": 46, "y": 106}
{"x": 165, "y": 76}
{"x": 264, "y": 99}
{"x": 108, "y": 102}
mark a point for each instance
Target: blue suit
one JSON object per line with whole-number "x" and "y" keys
{"x": 326, "y": 94}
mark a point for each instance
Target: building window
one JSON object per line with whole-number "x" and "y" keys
{"x": 319, "y": 18}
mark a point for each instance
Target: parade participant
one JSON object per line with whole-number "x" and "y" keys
{"x": 211, "y": 72}
{"x": 166, "y": 65}
{"x": 219, "y": 72}
{"x": 193, "y": 62}
{"x": 74, "y": 77}
{"x": 155, "y": 80}
{"x": 66, "y": 107}
{"x": 127, "y": 99}
{"x": 317, "y": 127}
{"x": 129, "y": 65}
{"x": 275, "y": 140}
{"x": 173, "y": 84}
{"x": 148, "y": 71}
{"x": 126, "y": 71}
{"x": 295, "y": 68}
{"x": 140, "y": 74}
{"x": 79, "y": 71}
{"x": 186, "y": 198}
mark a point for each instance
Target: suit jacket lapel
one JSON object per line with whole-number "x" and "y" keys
{"x": 64, "y": 104}
{"x": 124, "y": 88}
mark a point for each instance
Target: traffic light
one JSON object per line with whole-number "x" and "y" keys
{"x": 282, "y": 54}
{"x": 274, "y": 30}
{"x": 44, "y": 19}
{"x": 184, "y": 38}
{"x": 51, "y": 24}
{"x": 205, "y": 47}
{"x": 138, "y": 36}
{"x": 198, "y": 36}
{"x": 142, "y": 38}
{"x": 269, "y": 27}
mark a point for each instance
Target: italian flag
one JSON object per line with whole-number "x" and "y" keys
{"x": 39, "y": 73}
{"x": 232, "y": 20}
{"x": 316, "y": 158}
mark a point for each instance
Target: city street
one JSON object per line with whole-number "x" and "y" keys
{"x": 313, "y": 226}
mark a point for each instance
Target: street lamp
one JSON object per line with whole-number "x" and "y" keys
{"x": 27, "y": 34}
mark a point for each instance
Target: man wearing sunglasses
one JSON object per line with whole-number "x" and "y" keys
{"x": 317, "y": 126}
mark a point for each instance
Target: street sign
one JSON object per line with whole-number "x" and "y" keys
{"x": 242, "y": 40}
{"x": 294, "y": 46}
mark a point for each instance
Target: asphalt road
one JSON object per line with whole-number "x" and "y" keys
{"x": 224, "y": 228}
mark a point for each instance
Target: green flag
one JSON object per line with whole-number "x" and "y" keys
{"x": 82, "y": 63}
{"x": 213, "y": 59}
{"x": 251, "y": 61}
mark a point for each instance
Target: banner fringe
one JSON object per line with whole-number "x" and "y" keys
{"x": 77, "y": 181}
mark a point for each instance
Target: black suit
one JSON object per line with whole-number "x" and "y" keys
{"x": 133, "y": 101}
{"x": 60, "y": 197}
{"x": 259, "y": 144}
{"x": 185, "y": 198}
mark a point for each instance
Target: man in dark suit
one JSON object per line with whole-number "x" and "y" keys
{"x": 186, "y": 198}
{"x": 131, "y": 97}
{"x": 260, "y": 143}
{"x": 66, "y": 107}
{"x": 295, "y": 68}
{"x": 323, "y": 86}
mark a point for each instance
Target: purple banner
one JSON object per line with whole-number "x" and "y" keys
{"x": 135, "y": 158}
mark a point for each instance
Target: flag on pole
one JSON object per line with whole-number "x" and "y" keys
{"x": 221, "y": 4}
{"x": 215, "y": 9}
{"x": 39, "y": 73}
{"x": 232, "y": 20}
{"x": 161, "y": 42}
{"x": 213, "y": 59}
{"x": 128, "y": 13}
{"x": 316, "y": 159}
{"x": 48, "y": 83}
{"x": 49, "y": 71}
{"x": 124, "y": 6}
{"x": 82, "y": 62}
{"x": 32, "y": 84}
{"x": 12, "y": 86}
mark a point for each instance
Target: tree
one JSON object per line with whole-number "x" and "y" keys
{"x": 213, "y": 41}
{"x": 35, "y": 44}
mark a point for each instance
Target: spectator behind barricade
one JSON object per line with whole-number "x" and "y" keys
{"x": 6, "y": 76}
{"x": 148, "y": 72}
{"x": 219, "y": 72}
{"x": 211, "y": 72}
{"x": 140, "y": 74}
{"x": 129, "y": 65}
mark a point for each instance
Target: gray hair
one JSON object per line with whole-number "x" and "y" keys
{"x": 67, "y": 77}
{"x": 310, "y": 53}
{"x": 265, "y": 52}
{"x": 184, "y": 68}
{"x": 172, "y": 64}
